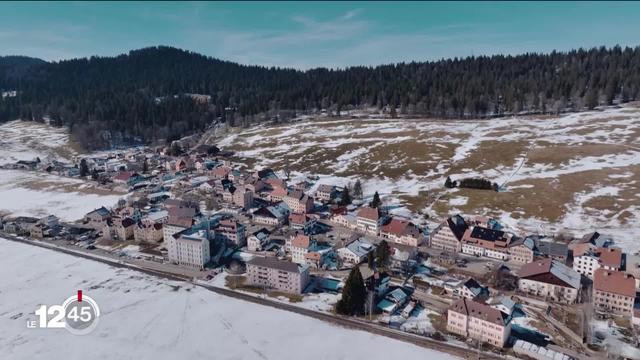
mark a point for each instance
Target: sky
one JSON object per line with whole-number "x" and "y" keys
{"x": 304, "y": 35}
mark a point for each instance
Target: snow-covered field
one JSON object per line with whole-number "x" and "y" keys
{"x": 36, "y": 194}
{"x": 144, "y": 317}
{"x": 577, "y": 172}
{"x": 26, "y": 140}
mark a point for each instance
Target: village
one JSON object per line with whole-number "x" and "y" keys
{"x": 469, "y": 281}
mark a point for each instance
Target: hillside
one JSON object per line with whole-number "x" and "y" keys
{"x": 140, "y": 96}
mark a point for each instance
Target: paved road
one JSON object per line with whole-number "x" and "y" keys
{"x": 348, "y": 322}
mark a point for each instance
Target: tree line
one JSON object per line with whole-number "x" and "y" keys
{"x": 143, "y": 96}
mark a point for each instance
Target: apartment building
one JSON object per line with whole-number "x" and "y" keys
{"x": 448, "y": 235}
{"x": 614, "y": 292}
{"x": 478, "y": 321}
{"x": 550, "y": 279}
{"x": 231, "y": 231}
{"x": 486, "y": 242}
{"x": 522, "y": 250}
{"x": 368, "y": 220}
{"x": 590, "y": 260}
{"x": 280, "y": 275}
{"x": 192, "y": 249}
{"x": 298, "y": 202}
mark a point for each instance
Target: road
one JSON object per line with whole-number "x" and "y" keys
{"x": 348, "y": 322}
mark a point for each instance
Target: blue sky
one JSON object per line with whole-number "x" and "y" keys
{"x": 311, "y": 34}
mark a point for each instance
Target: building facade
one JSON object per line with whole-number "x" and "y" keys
{"x": 478, "y": 321}
{"x": 283, "y": 276}
{"x": 614, "y": 292}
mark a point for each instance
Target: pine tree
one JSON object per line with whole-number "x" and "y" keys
{"x": 371, "y": 260}
{"x": 353, "y": 294}
{"x": 376, "y": 201}
{"x": 145, "y": 166}
{"x": 357, "y": 189}
{"x": 383, "y": 254}
{"x": 448, "y": 183}
{"x": 84, "y": 168}
{"x": 345, "y": 198}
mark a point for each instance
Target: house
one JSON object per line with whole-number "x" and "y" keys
{"x": 243, "y": 197}
{"x": 504, "y": 304}
{"x": 148, "y": 231}
{"x": 258, "y": 240}
{"x": 614, "y": 292}
{"x": 402, "y": 256}
{"x": 325, "y": 193}
{"x": 50, "y": 221}
{"x": 221, "y": 172}
{"x": 124, "y": 177}
{"x": 593, "y": 259}
{"x": 590, "y": 241}
{"x": 280, "y": 275}
{"x": 97, "y": 218}
{"x": 522, "y": 250}
{"x": 486, "y": 242}
{"x": 402, "y": 232}
{"x": 550, "y": 279}
{"x": 478, "y": 321}
{"x": 552, "y": 250}
{"x": 345, "y": 220}
{"x": 123, "y": 228}
{"x": 375, "y": 281}
{"x": 302, "y": 222}
{"x": 276, "y": 194}
{"x": 368, "y": 220}
{"x": 393, "y": 301}
{"x": 192, "y": 248}
{"x": 231, "y": 231}
{"x": 470, "y": 289}
{"x": 355, "y": 252}
{"x": 299, "y": 246}
{"x": 448, "y": 235}
{"x": 37, "y": 230}
{"x": 298, "y": 201}
{"x": 271, "y": 215}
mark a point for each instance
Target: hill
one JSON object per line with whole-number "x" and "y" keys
{"x": 143, "y": 96}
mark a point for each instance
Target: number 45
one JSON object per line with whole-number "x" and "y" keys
{"x": 85, "y": 314}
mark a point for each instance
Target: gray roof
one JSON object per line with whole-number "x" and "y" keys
{"x": 273, "y": 263}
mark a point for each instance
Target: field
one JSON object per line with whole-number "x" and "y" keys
{"x": 144, "y": 317}
{"x": 38, "y": 194}
{"x": 577, "y": 172}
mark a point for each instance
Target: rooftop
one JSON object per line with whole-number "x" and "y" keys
{"x": 273, "y": 263}
{"x": 616, "y": 282}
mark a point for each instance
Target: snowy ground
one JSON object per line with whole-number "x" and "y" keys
{"x": 36, "y": 194}
{"x": 147, "y": 318}
{"x": 26, "y": 140}
{"x": 576, "y": 172}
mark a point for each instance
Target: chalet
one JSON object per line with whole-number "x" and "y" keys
{"x": 124, "y": 177}
{"x": 550, "y": 279}
{"x": 522, "y": 250}
{"x": 393, "y": 301}
{"x": 402, "y": 256}
{"x": 448, "y": 235}
{"x": 402, "y": 232}
{"x": 470, "y": 289}
{"x": 355, "y": 252}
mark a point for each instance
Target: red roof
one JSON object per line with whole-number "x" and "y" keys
{"x": 297, "y": 218}
{"x": 401, "y": 227}
{"x": 124, "y": 175}
{"x": 616, "y": 282}
{"x": 301, "y": 241}
{"x": 369, "y": 213}
{"x": 611, "y": 257}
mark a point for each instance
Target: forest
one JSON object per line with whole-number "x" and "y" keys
{"x": 152, "y": 95}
